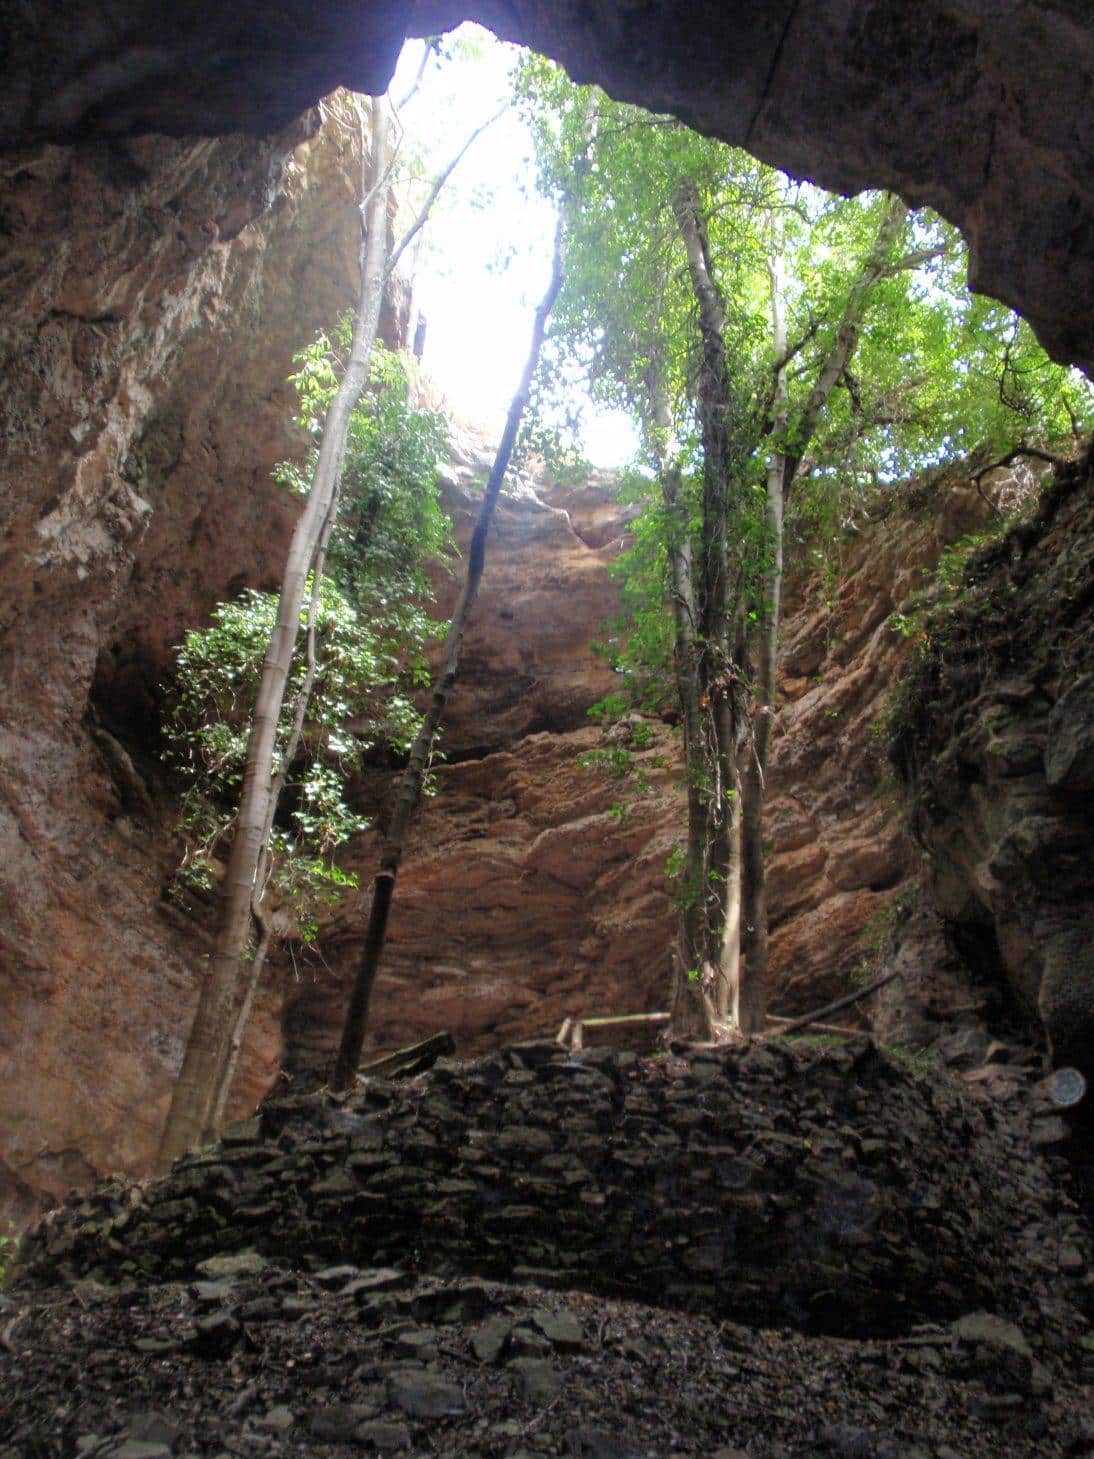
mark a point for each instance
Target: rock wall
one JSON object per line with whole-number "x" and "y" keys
{"x": 534, "y": 886}
{"x": 830, "y": 1192}
{"x": 152, "y": 297}
{"x": 996, "y": 739}
{"x": 981, "y": 111}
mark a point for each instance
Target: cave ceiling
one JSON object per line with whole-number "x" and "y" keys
{"x": 980, "y": 108}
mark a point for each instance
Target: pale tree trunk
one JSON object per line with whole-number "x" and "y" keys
{"x": 198, "y": 1081}
{"x": 751, "y": 1010}
{"x": 409, "y": 790}
{"x": 781, "y": 470}
{"x": 268, "y": 923}
{"x": 228, "y": 993}
{"x": 722, "y": 700}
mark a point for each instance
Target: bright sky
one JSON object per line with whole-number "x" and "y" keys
{"x": 486, "y": 256}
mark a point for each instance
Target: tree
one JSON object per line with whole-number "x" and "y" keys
{"x": 201, "y": 1081}
{"x": 409, "y": 790}
{"x": 365, "y": 629}
{"x": 728, "y": 309}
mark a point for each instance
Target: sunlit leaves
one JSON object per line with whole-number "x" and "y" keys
{"x": 371, "y": 631}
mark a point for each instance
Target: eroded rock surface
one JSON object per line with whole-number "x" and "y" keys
{"x": 980, "y": 110}
{"x": 534, "y": 885}
{"x": 153, "y": 294}
{"x": 995, "y": 738}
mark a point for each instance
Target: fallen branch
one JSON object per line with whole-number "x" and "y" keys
{"x": 573, "y": 1031}
{"x": 807, "y": 1019}
{"x": 412, "y": 1060}
{"x": 838, "y": 1030}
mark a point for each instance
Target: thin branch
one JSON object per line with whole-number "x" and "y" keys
{"x": 840, "y": 1003}
{"x": 434, "y": 192}
{"x": 795, "y": 349}
{"x": 1019, "y": 451}
{"x": 913, "y": 260}
{"x": 427, "y": 53}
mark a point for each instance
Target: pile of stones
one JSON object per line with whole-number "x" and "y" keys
{"x": 828, "y": 1190}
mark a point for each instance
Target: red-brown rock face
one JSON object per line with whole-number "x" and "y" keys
{"x": 153, "y": 294}
{"x": 525, "y": 896}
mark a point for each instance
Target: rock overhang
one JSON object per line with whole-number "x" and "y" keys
{"x": 984, "y": 115}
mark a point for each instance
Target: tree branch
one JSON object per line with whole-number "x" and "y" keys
{"x": 1032, "y": 452}
{"x": 435, "y": 191}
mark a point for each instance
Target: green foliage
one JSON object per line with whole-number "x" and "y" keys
{"x": 371, "y": 631}
{"x": 9, "y": 1245}
{"x": 935, "y": 373}
{"x": 618, "y": 762}
{"x": 918, "y": 1061}
{"x": 877, "y": 935}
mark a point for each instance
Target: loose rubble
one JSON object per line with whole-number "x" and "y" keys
{"x": 748, "y": 1252}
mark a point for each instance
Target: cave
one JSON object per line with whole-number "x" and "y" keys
{"x": 151, "y": 196}
{"x": 984, "y": 116}
{"x": 532, "y": 1248}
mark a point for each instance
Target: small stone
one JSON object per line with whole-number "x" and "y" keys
{"x": 1000, "y": 1349}
{"x": 238, "y": 1264}
{"x": 1044, "y": 1134}
{"x": 154, "y": 1428}
{"x": 526, "y": 1343}
{"x": 561, "y": 1329}
{"x": 489, "y": 1342}
{"x": 334, "y": 1278}
{"x": 375, "y": 1279}
{"x": 279, "y": 1420}
{"x": 1070, "y": 1259}
{"x": 336, "y": 1186}
{"x": 141, "y": 1449}
{"x": 539, "y": 1381}
{"x": 425, "y": 1394}
{"x": 418, "y": 1343}
{"x": 208, "y": 1293}
{"x": 216, "y": 1333}
{"x": 339, "y": 1422}
{"x": 380, "y": 1434}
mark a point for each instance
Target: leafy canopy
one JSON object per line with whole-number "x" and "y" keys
{"x": 937, "y": 371}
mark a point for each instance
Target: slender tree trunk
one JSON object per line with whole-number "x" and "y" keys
{"x": 752, "y": 1000}
{"x": 199, "y": 1078}
{"x": 265, "y": 921}
{"x": 410, "y": 784}
{"x": 722, "y": 699}
{"x": 781, "y": 469}
{"x": 239, "y": 1026}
